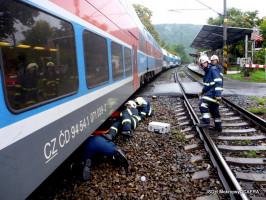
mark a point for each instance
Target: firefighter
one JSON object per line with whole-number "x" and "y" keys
{"x": 27, "y": 87}
{"x": 214, "y": 62}
{"x": 129, "y": 120}
{"x": 144, "y": 107}
{"x": 210, "y": 96}
{"x": 98, "y": 147}
{"x": 50, "y": 82}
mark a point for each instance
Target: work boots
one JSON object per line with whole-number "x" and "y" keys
{"x": 217, "y": 129}
{"x": 203, "y": 125}
{"x": 107, "y": 136}
{"x": 127, "y": 133}
{"x": 120, "y": 156}
{"x": 86, "y": 170}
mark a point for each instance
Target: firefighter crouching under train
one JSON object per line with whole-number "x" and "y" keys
{"x": 129, "y": 120}
{"x": 210, "y": 96}
{"x": 144, "y": 107}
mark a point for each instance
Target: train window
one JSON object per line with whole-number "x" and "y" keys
{"x": 117, "y": 60}
{"x": 128, "y": 61}
{"x": 37, "y": 54}
{"x": 96, "y": 59}
{"x": 142, "y": 44}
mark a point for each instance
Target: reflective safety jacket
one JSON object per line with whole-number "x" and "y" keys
{"x": 220, "y": 68}
{"x": 26, "y": 90}
{"x": 130, "y": 118}
{"x": 145, "y": 109}
{"x": 213, "y": 84}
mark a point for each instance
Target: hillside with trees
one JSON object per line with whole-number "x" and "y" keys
{"x": 174, "y": 34}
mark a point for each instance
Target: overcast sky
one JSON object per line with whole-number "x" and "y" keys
{"x": 162, "y": 15}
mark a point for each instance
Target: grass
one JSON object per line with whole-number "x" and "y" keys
{"x": 244, "y": 142}
{"x": 252, "y": 153}
{"x": 260, "y": 101}
{"x": 257, "y": 75}
{"x": 257, "y": 111}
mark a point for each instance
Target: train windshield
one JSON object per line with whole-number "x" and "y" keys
{"x": 37, "y": 56}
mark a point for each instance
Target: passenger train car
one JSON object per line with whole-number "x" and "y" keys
{"x": 99, "y": 53}
{"x": 170, "y": 60}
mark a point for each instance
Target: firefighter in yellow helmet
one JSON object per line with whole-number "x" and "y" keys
{"x": 144, "y": 107}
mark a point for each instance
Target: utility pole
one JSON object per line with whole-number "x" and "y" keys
{"x": 225, "y": 52}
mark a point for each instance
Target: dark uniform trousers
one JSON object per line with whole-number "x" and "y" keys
{"x": 129, "y": 120}
{"x": 209, "y": 108}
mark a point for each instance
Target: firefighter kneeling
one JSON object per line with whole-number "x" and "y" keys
{"x": 129, "y": 120}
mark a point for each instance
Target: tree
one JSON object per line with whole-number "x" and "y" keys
{"x": 236, "y": 18}
{"x": 179, "y": 49}
{"x": 145, "y": 15}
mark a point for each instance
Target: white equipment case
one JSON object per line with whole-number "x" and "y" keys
{"x": 159, "y": 127}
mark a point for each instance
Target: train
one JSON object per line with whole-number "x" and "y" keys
{"x": 99, "y": 54}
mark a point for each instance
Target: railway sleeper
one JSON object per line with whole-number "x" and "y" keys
{"x": 245, "y": 161}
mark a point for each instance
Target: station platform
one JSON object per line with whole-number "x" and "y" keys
{"x": 236, "y": 87}
{"x": 231, "y": 87}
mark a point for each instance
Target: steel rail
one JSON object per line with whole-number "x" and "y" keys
{"x": 259, "y": 122}
{"x": 227, "y": 177}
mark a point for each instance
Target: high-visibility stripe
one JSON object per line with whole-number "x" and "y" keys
{"x": 138, "y": 117}
{"x": 206, "y": 115}
{"x": 143, "y": 113}
{"x": 217, "y": 79}
{"x": 204, "y": 105}
{"x": 114, "y": 128}
{"x": 129, "y": 111}
{"x": 17, "y": 94}
{"x": 135, "y": 123}
{"x": 126, "y": 120}
{"x": 207, "y": 84}
{"x": 30, "y": 102}
{"x": 218, "y": 88}
{"x": 218, "y": 97}
{"x": 212, "y": 83}
{"x": 217, "y": 120}
{"x": 150, "y": 111}
{"x": 50, "y": 82}
{"x": 222, "y": 74}
{"x": 18, "y": 86}
{"x": 210, "y": 99}
{"x": 44, "y": 79}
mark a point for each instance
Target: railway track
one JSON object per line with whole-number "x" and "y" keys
{"x": 176, "y": 165}
{"x": 239, "y": 152}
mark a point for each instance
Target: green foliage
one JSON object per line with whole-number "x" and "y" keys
{"x": 145, "y": 15}
{"x": 175, "y": 131}
{"x": 252, "y": 153}
{"x": 256, "y": 75}
{"x": 244, "y": 142}
{"x": 181, "y": 138}
{"x": 257, "y": 111}
{"x": 248, "y": 19}
{"x": 174, "y": 34}
{"x": 180, "y": 50}
{"x": 236, "y": 18}
{"x": 260, "y": 101}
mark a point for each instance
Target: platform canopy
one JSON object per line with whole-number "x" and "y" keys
{"x": 211, "y": 37}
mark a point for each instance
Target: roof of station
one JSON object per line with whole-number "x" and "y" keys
{"x": 211, "y": 37}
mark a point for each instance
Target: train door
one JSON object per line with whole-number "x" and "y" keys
{"x": 135, "y": 67}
